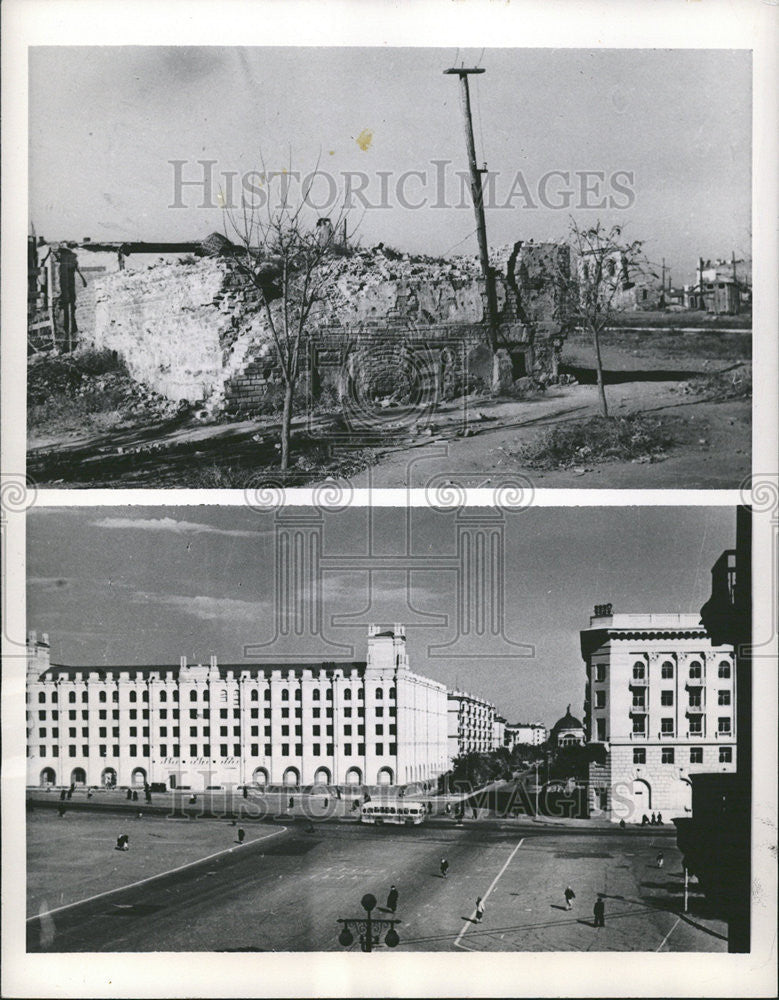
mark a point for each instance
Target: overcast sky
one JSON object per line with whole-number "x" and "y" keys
{"x": 124, "y": 585}
{"x": 104, "y": 122}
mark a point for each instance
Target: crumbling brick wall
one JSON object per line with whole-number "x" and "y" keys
{"x": 196, "y": 331}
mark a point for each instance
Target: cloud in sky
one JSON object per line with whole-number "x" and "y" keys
{"x": 207, "y": 608}
{"x": 170, "y": 524}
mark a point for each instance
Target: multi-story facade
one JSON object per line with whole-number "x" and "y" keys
{"x": 471, "y": 724}
{"x": 526, "y": 733}
{"x": 498, "y": 732}
{"x": 660, "y": 702}
{"x": 200, "y": 725}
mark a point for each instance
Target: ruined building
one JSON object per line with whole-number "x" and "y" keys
{"x": 194, "y": 329}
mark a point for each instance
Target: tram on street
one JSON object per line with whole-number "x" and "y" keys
{"x": 404, "y": 813}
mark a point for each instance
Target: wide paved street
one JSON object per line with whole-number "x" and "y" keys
{"x": 284, "y": 889}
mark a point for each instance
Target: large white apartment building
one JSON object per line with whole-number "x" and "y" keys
{"x": 529, "y": 733}
{"x": 660, "y": 701}
{"x": 195, "y": 725}
{"x": 472, "y": 726}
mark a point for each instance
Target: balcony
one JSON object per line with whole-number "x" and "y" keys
{"x": 637, "y": 710}
{"x": 638, "y": 682}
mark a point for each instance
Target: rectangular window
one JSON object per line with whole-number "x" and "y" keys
{"x": 379, "y": 729}
{"x": 42, "y": 715}
{"x": 223, "y": 730}
{"x": 696, "y": 724}
{"x": 638, "y": 700}
{"x": 298, "y": 730}
{"x": 696, "y": 755}
{"x": 723, "y": 724}
{"x": 255, "y": 713}
{"x": 163, "y": 713}
{"x": 255, "y": 750}
{"x": 268, "y": 749}
{"x": 316, "y": 750}
{"x": 348, "y": 749}
{"x": 193, "y": 730}
{"x": 600, "y": 672}
{"x": 102, "y": 714}
{"x": 236, "y": 730}
{"x": 667, "y": 755}
{"x": 176, "y": 750}
{"x": 347, "y": 713}
{"x": 193, "y": 749}
{"x": 379, "y": 749}
{"x": 695, "y": 699}
{"x": 285, "y": 730}
{"x": 639, "y": 755}
{"x": 299, "y": 749}
{"x": 267, "y": 731}
{"x": 285, "y": 713}
{"x": 163, "y": 749}
{"x": 360, "y": 749}
{"x": 193, "y": 713}
{"x": 255, "y": 731}
{"x": 666, "y": 697}
{"x": 601, "y": 727}
{"x": 725, "y": 755}
{"x": 723, "y": 671}
{"x": 667, "y": 671}
{"x": 393, "y": 730}
{"x": 600, "y": 699}
{"x": 103, "y": 732}
{"x": 71, "y": 714}
{"x": 236, "y": 749}
{"x": 723, "y": 697}
{"x": 361, "y": 730}
{"x": 347, "y": 730}
{"x": 222, "y": 749}
{"x": 133, "y": 713}
{"x": 133, "y": 750}
{"x": 638, "y": 723}
{"x": 222, "y": 713}
{"x": 266, "y": 713}
{"x": 42, "y": 750}
{"x": 133, "y": 730}
{"x": 667, "y": 726}
{"x": 379, "y": 712}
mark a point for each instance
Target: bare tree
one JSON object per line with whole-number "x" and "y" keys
{"x": 598, "y": 283}
{"x": 281, "y": 250}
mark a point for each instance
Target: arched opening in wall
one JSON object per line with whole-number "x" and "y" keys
{"x": 78, "y": 776}
{"x": 322, "y": 776}
{"x": 108, "y": 777}
{"x": 385, "y": 776}
{"x": 48, "y": 777}
{"x": 138, "y": 777}
{"x": 642, "y": 799}
{"x": 354, "y": 776}
{"x": 260, "y": 776}
{"x": 291, "y": 777}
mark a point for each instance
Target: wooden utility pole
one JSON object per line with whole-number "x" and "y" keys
{"x": 477, "y": 193}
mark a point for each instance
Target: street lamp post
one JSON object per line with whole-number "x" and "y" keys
{"x": 368, "y": 928}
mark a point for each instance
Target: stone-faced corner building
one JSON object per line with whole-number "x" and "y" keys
{"x": 373, "y": 722}
{"x": 659, "y": 706}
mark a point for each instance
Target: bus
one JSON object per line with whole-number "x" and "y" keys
{"x": 403, "y": 813}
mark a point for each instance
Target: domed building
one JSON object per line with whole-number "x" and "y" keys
{"x": 567, "y": 731}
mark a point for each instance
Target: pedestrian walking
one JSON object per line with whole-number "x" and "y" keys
{"x": 291, "y": 801}
{"x": 444, "y": 867}
{"x": 653, "y": 820}
{"x": 659, "y": 819}
{"x": 241, "y": 834}
{"x": 479, "y": 909}
{"x": 61, "y": 808}
{"x": 63, "y": 793}
{"x": 392, "y": 899}
{"x": 475, "y": 813}
{"x": 599, "y": 912}
{"x": 570, "y": 896}
{"x": 129, "y": 794}
{"x": 135, "y": 795}
{"x": 246, "y": 791}
{"x": 622, "y": 824}
{"x": 660, "y": 859}
{"x": 123, "y": 843}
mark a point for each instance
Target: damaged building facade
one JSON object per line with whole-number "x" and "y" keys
{"x": 194, "y": 329}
